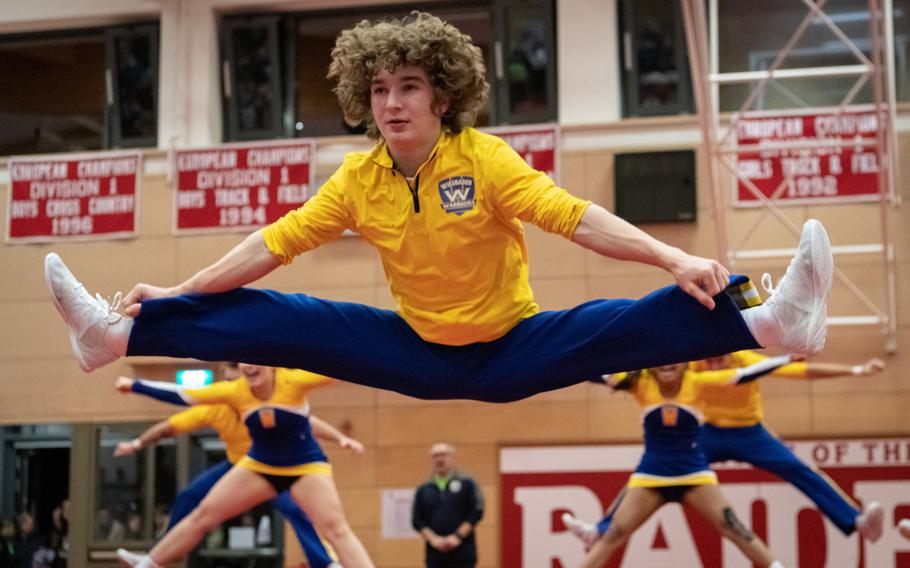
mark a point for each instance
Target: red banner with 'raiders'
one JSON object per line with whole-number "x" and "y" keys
{"x": 539, "y": 484}
{"x": 242, "y": 187}
{"x": 73, "y": 197}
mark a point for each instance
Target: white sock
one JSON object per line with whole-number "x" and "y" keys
{"x": 117, "y": 336}
{"x": 776, "y": 564}
{"x": 763, "y": 326}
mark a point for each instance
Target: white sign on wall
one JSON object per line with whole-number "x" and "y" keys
{"x": 396, "y": 514}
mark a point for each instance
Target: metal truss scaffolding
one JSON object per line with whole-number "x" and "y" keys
{"x": 721, "y": 145}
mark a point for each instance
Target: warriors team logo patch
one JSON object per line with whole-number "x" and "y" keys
{"x": 457, "y": 194}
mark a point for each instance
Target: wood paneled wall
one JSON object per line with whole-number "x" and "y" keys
{"x": 42, "y": 383}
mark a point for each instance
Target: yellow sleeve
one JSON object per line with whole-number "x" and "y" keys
{"x": 192, "y": 419}
{"x": 301, "y": 377}
{"x": 321, "y": 219}
{"x": 795, "y": 370}
{"x": 518, "y": 190}
{"x": 220, "y": 392}
{"x": 721, "y": 377}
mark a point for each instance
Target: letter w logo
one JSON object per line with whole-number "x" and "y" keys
{"x": 457, "y": 194}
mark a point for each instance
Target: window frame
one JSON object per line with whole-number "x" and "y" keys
{"x": 502, "y": 114}
{"x": 113, "y": 134}
{"x": 228, "y": 73}
{"x": 148, "y": 483}
{"x": 283, "y": 52}
{"x": 629, "y": 72}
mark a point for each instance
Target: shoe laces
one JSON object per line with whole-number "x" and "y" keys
{"x": 111, "y": 306}
{"x": 768, "y": 284}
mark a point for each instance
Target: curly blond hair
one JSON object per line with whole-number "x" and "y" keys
{"x": 453, "y": 64}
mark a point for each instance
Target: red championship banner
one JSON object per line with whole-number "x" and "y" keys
{"x": 242, "y": 187}
{"x": 73, "y": 196}
{"x": 808, "y": 158}
{"x": 538, "y": 144}
{"x": 539, "y": 484}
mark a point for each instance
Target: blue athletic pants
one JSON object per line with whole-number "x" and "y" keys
{"x": 191, "y": 495}
{"x": 377, "y": 348}
{"x": 756, "y": 446}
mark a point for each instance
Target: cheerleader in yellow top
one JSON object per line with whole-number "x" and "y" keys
{"x": 673, "y": 467}
{"x": 232, "y": 431}
{"x": 734, "y": 430}
{"x": 284, "y": 456}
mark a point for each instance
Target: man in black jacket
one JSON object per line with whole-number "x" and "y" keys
{"x": 446, "y": 509}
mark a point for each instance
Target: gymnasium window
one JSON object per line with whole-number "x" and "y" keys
{"x": 274, "y": 66}
{"x": 752, "y": 35}
{"x": 653, "y": 59}
{"x": 34, "y": 471}
{"x": 130, "y": 491}
{"x": 656, "y": 78}
{"x": 79, "y": 90}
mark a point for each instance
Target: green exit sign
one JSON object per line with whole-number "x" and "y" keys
{"x": 195, "y": 378}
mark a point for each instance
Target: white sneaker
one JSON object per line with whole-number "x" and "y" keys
{"x": 88, "y": 318}
{"x": 871, "y": 522}
{"x": 129, "y": 558}
{"x": 799, "y": 303}
{"x": 585, "y": 532}
{"x": 903, "y": 527}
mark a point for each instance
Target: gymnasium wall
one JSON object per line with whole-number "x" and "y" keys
{"x": 42, "y": 382}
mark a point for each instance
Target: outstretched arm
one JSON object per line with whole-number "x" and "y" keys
{"x": 742, "y": 375}
{"x": 609, "y": 235}
{"x": 804, "y": 370}
{"x": 150, "y": 437}
{"x": 175, "y": 394}
{"x": 325, "y": 431}
{"x": 247, "y": 262}
{"x": 829, "y": 370}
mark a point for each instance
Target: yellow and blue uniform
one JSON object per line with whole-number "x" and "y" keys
{"x": 674, "y": 460}
{"x": 222, "y": 419}
{"x": 233, "y": 433}
{"x": 734, "y": 430}
{"x": 453, "y": 250}
{"x": 672, "y": 425}
{"x": 282, "y": 442}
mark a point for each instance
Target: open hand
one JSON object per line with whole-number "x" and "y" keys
{"x": 124, "y": 449}
{"x": 873, "y": 366}
{"x": 355, "y": 446}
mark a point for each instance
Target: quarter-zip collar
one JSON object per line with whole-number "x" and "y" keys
{"x": 381, "y": 156}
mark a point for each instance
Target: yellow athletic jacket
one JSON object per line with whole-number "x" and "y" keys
{"x": 452, "y": 243}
